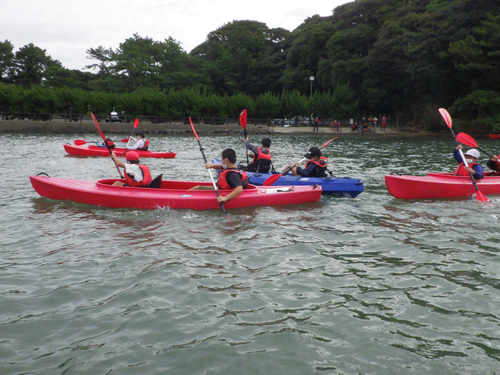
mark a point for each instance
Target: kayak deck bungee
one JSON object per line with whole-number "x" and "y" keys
{"x": 172, "y": 194}
{"x": 91, "y": 150}
{"x": 335, "y": 186}
{"x": 439, "y": 185}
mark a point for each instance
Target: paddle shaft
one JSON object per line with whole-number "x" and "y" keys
{"x": 463, "y": 159}
{"x": 136, "y": 122}
{"x": 96, "y": 123}
{"x": 209, "y": 172}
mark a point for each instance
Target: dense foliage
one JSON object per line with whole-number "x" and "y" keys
{"x": 401, "y": 57}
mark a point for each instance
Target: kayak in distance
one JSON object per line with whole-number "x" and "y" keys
{"x": 91, "y": 150}
{"x": 439, "y": 185}
{"x": 168, "y": 194}
{"x": 334, "y": 186}
{"x": 495, "y": 136}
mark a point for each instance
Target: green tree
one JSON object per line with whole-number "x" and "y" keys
{"x": 31, "y": 64}
{"x": 6, "y": 60}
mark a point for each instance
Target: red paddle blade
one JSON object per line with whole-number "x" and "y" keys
{"x": 481, "y": 197}
{"x": 124, "y": 140}
{"x": 80, "y": 142}
{"x": 96, "y": 123}
{"x": 328, "y": 142}
{"x": 194, "y": 131}
{"x": 243, "y": 119}
{"x": 136, "y": 123}
{"x": 466, "y": 140}
{"x": 446, "y": 116}
{"x": 271, "y": 180}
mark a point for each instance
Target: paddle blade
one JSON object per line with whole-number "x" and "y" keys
{"x": 243, "y": 119}
{"x": 124, "y": 140}
{"x": 481, "y": 197}
{"x": 136, "y": 123}
{"x": 328, "y": 142}
{"x": 194, "y": 131}
{"x": 446, "y": 116}
{"x": 80, "y": 142}
{"x": 466, "y": 140}
{"x": 271, "y": 180}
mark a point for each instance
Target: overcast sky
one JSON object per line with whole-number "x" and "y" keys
{"x": 67, "y": 28}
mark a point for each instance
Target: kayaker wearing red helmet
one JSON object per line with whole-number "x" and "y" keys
{"x": 471, "y": 157}
{"x": 136, "y": 174}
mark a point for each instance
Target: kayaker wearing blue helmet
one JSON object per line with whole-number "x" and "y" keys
{"x": 471, "y": 157}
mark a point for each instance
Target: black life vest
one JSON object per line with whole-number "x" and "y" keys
{"x": 223, "y": 184}
{"x": 146, "y": 173}
{"x": 320, "y": 170}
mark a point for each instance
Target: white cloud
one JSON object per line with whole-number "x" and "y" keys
{"x": 66, "y": 29}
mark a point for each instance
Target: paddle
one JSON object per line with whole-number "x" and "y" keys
{"x": 466, "y": 139}
{"x": 447, "y": 118}
{"x": 136, "y": 124}
{"x": 272, "y": 179}
{"x": 210, "y": 173}
{"x": 243, "y": 123}
{"x": 80, "y": 142}
{"x": 105, "y": 141}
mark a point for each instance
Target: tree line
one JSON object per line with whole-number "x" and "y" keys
{"x": 402, "y": 57}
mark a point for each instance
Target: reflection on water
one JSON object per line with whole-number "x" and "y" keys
{"x": 368, "y": 285}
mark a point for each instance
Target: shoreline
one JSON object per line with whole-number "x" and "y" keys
{"x": 85, "y": 126}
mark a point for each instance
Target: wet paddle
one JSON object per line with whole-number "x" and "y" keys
{"x": 466, "y": 139}
{"x": 136, "y": 124}
{"x": 243, "y": 123}
{"x": 447, "y": 118}
{"x": 80, "y": 142}
{"x": 210, "y": 173}
{"x": 96, "y": 123}
{"x": 272, "y": 179}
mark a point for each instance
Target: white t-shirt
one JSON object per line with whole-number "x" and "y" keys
{"x": 139, "y": 143}
{"x": 134, "y": 170}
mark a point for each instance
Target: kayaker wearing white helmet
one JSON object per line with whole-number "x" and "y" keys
{"x": 471, "y": 156}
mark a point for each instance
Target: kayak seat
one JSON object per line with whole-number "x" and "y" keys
{"x": 156, "y": 182}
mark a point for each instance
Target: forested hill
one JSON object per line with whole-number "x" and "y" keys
{"x": 405, "y": 58}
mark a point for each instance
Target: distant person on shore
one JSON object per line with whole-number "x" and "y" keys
{"x": 384, "y": 123}
{"x": 375, "y": 119}
{"x": 261, "y": 162}
{"x": 473, "y": 166}
{"x": 316, "y": 124}
{"x": 141, "y": 143}
{"x": 315, "y": 167}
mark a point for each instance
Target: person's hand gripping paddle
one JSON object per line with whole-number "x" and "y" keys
{"x": 96, "y": 123}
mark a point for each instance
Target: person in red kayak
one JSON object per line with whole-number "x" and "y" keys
{"x": 315, "y": 167}
{"x": 102, "y": 144}
{"x": 141, "y": 143}
{"x": 231, "y": 176}
{"x": 136, "y": 174}
{"x": 494, "y": 165}
{"x": 471, "y": 157}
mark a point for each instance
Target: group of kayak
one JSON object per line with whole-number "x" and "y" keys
{"x": 236, "y": 187}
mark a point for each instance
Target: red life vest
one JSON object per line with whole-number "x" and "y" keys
{"x": 321, "y": 165}
{"x": 261, "y": 162}
{"x": 461, "y": 171}
{"x": 223, "y": 184}
{"x": 146, "y": 144}
{"x": 384, "y": 121}
{"x": 145, "y": 180}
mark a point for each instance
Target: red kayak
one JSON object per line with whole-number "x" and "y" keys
{"x": 171, "y": 194}
{"x": 495, "y": 136}
{"x": 91, "y": 150}
{"x": 439, "y": 185}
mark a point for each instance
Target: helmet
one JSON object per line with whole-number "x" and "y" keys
{"x": 473, "y": 152}
{"x": 132, "y": 155}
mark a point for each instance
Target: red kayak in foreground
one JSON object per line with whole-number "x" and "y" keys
{"x": 171, "y": 194}
{"x": 91, "y": 150}
{"x": 439, "y": 185}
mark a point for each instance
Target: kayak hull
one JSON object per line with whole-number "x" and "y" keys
{"x": 172, "y": 194}
{"x": 495, "y": 136}
{"x": 335, "y": 186}
{"x": 90, "y": 150}
{"x": 439, "y": 185}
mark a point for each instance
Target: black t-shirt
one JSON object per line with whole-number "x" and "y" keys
{"x": 234, "y": 179}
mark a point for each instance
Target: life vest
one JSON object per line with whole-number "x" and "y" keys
{"x": 384, "y": 121}
{"x": 145, "y": 147}
{"x": 145, "y": 180}
{"x": 461, "y": 171}
{"x": 261, "y": 162}
{"x": 223, "y": 184}
{"x": 321, "y": 165}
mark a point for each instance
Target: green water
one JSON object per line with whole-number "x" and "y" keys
{"x": 371, "y": 285}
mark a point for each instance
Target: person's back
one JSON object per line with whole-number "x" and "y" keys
{"x": 261, "y": 162}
